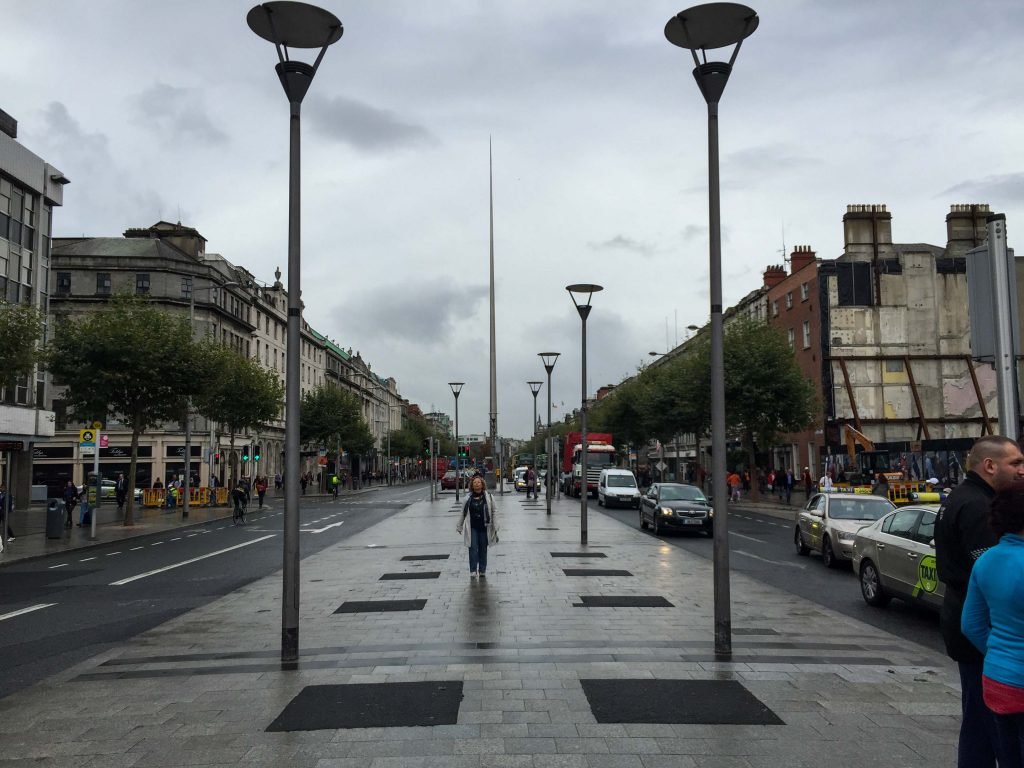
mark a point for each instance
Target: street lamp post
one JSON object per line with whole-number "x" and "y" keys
{"x": 535, "y": 389}
{"x": 577, "y": 291}
{"x": 704, "y": 28}
{"x": 456, "y": 390}
{"x": 188, "y": 404}
{"x": 293, "y": 25}
{"x": 549, "y": 359}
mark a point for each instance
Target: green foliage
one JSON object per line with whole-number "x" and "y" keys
{"x": 331, "y": 415}
{"x": 131, "y": 360}
{"x": 21, "y": 326}
{"x": 235, "y": 390}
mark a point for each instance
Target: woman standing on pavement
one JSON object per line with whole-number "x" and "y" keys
{"x": 261, "y": 489}
{"x": 993, "y": 620}
{"x": 482, "y": 530}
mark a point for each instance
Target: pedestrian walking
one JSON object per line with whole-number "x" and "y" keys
{"x": 808, "y": 482}
{"x": 303, "y": 482}
{"x": 962, "y": 534}
{"x": 993, "y": 620}
{"x": 531, "y": 481}
{"x": 733, "y": 481}
{"x": 121, "y": 492}
{"x": 479, "y": 525}
{"x": 70, "y": 502}
{"x": 277, "y": 481}
{"x": 261, "y": 489}
{"x": 788, "y": 482}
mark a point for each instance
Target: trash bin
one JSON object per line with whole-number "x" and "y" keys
{"x": 54, "y": 519}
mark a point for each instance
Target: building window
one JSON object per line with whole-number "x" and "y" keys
{"x": 186, "y": 287}
{"x": 789, "y": 300}
{"x": 142, "y": 282}
{"x": 791, "y": 337}
{"x": 894, "y": 366}
{"x": 853, "y": 280}
{"x": 807, "y": 334}
{"x": 103, "y": 283}
{"x": 63, "y": 283}
{"x": 804, "y": 291}
{"x": 775, "y": 308}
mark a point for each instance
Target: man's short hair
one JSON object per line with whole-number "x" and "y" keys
{"x": 989, "y": 447}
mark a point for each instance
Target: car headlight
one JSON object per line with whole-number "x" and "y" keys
{"x": 711, "y": 512}
{"x": 846, "y": 536}
{"x": 665, "y": 511}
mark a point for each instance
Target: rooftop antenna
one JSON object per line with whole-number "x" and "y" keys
{"x": 785, "y": 253}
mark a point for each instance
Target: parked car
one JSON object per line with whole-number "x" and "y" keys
{"x": 617, "y": 486}
{"x": 895, "y": 557}
{"x": 108, "y": 491}
{"x": 448, "y": 481}
{"x": 828, "y": 523}
{"x": 676, "y": 506}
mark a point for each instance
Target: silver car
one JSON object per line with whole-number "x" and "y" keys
{"x": 895, "y": 557}
{"x": 828, "y": 522}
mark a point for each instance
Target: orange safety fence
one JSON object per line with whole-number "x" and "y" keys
{"x": 214, "y": 497}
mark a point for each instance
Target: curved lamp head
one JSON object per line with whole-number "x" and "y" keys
{"x": 707, "y": 27}
{"x": 580, "y": 290}
{"x": 549, "y": 359}
{"x": 287, "y": 25}
{"x": 535, "y": 387}
{"x": 456, "y": 387}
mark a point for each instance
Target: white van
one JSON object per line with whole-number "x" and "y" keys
{"x": 618, "y": 486}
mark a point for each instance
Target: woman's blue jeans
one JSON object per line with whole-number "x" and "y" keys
{"x": 477, "y": 549}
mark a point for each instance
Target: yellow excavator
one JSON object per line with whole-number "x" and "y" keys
{"x": 869, "y": 463}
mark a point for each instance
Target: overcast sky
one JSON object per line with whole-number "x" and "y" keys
{"x": 172, "y": 110}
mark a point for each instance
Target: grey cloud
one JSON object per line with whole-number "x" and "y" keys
{"x": 177, "y": 115}
{"x": 623, "y": 243}
{"x": 999, "y": 189}
{"x": 766, "y": 158}
{"x": 693, "y": 232}
{"x": 425, "y": 318}
{"x": 366, "y": 127}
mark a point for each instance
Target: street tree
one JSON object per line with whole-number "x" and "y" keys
{"x": 21, "y": 327}
{"x": 130, "y": 360}
{"x": 333, "y": 417}
{"x": 236, "y": 391}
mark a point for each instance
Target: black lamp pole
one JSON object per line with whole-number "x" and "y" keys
{"x": 549, "y": 359}
{"x": 577, "y": 291}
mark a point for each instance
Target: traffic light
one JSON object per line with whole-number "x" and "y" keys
{"x": 245, "y": 453}
{"x": 256, "y": 452}
{"x": 216, "y": 458}
{"x": 426, "y": 446}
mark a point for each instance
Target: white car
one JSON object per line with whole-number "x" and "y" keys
{"x": 895, "y": 557}
{"x": 618, "y": 487}
{"x": 829, "y": 522}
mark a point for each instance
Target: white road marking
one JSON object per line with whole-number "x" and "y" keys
{"x": 57, "y": 566}
{"x": 176, "y": 538}
{"x": 187, "y": 562}
{"x": 87, "y": 559}
{"x": 191, "y": 535}
{"x": 156, "y": 543}
{"x": 23, "y": 611}
{"x": 321, "y": 530}
{"x": 748, "y": 538}
{"x": 111, "y": 554}
{"x": 134, "y": 548}
{"x": 766, "y": 560}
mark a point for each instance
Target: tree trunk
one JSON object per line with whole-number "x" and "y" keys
{"x": 129, "y": 504}
{"x": 755, "y": 487}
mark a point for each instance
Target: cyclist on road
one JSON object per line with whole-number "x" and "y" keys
{"x": 240, "y": 498}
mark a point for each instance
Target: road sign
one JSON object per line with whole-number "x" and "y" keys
{"x": 661, "y": 466}
{"x": 87, "y": 437}
{"x": 87, "y": 449}
{"x": 104, "y": 441}
{"x": 97, "y": 425}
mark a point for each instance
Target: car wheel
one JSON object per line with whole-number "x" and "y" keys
{"x": 871, "y": 586}
{"x": 643, "y": 521}
{"x": 801, "y": 549}
{"x": 654, "y": 524}
{"x": 828, "y": 555}
{"x": 599, "y": 502}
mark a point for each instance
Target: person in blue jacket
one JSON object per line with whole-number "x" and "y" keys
{"x": 993, "y": 620}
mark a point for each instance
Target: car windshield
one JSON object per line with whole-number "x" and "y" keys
{"x": 681, "y": 493}
{"x": 621, "y": 481}
{"x": 859, "y": 509}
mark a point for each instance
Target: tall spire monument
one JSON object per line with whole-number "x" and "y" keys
{"x": 494, "y": 356}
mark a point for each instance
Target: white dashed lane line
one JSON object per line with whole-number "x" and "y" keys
{"x": 187, "y": 562}
{"x": 23, "y": 611}
{"x": 111, "y": 554}
{"x": 134, "y": 548}
{"x": 57, "y": 566}
{"x": 86, "y": 559}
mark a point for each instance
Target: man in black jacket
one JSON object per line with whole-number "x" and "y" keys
{"x": 962, "y": 534}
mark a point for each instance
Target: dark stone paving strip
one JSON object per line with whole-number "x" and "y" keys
{"x": 423, "y": 557}
{"x": 578, "y": 554}
{"x": 594, "y": 572}
{"x": 829, "y": 661}
{"x": 705, "y": 702}
{"x": 623, "y": 601}
{"x": 547, "y": 529}
{"x": 753, "y": 631}
{"x": 380, "y": 606}
{"x": 371, "y": 705}
{"x": 826, "y": 648}
{"x": 401, "y": 576}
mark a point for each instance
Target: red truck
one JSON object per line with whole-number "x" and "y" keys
{"x": 600, "y": 454}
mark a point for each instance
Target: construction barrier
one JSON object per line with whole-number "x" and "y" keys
{"x": 203, "y": 497}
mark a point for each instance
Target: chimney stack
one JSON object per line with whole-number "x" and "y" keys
{"x": 801, "y": 256}
{"x": 966, "y": 227}
{"x": 774, "y": 275}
